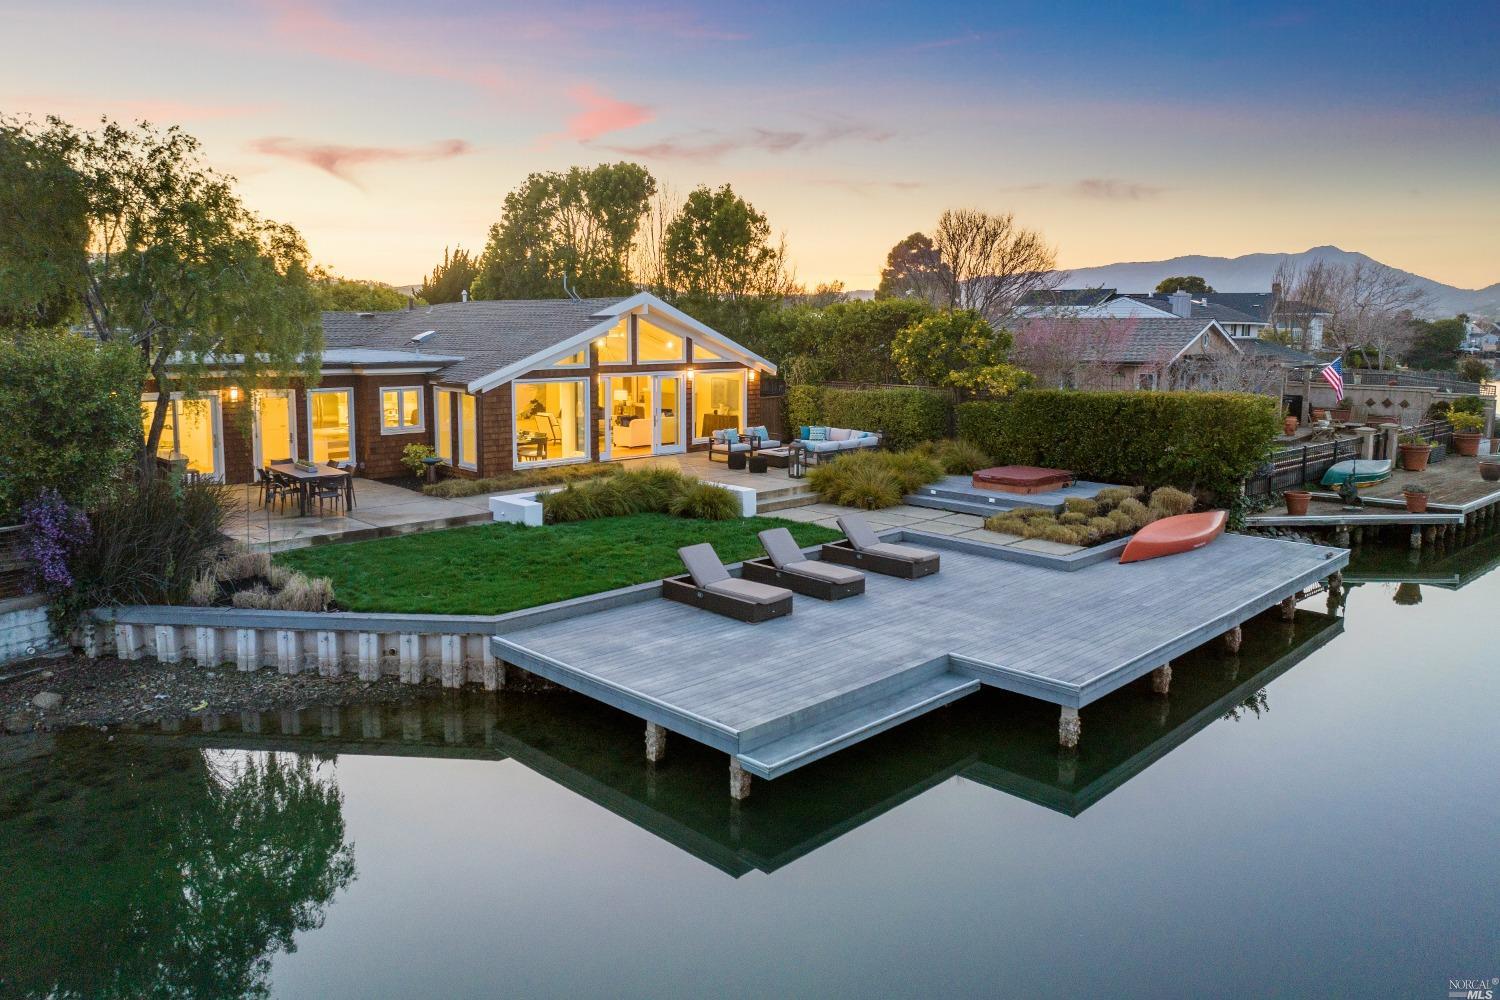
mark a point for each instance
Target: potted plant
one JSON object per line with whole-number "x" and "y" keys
{"x": 1415, "y": 496}
{"x": 1415, "y": 451}
{"x": 1467, "y": 430}
{"x": 1343, "y": 412}
{"x": 1289, "y": 425}
{"x": 1319, "y": 415}
{"x": 1296, "y": 502}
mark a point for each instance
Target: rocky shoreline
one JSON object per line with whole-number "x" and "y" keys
{"x": 79, "y": 691}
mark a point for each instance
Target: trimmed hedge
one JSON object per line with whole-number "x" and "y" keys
{"x": 1208, "y": 442}
{"x": 904, "y": 416}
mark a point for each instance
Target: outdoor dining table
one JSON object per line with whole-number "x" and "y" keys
{"x": 305, "y": 478}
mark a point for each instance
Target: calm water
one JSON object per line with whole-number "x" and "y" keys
{"x": 1315, "y": 817}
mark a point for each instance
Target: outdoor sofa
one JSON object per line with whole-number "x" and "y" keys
{"x": 788, "y": 566}
{"x": 821, "y": 443}
{"x": 709, "y": 585}
{"x": 863, "y": 548}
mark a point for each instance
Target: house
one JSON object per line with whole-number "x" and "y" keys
{"x": 1150, "y": 352}
{"x": 1242, "y": 315}
{"x": 492, "y": 386}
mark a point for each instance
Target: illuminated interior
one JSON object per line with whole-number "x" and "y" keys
{"x": 629, "y": 409}
{"x": 652, "y": 343}
{"x": 274, "y": 421}
{"x": 581, "y": 358}
{"x": 614, "y": 346}
{"x": 331, "y": 415}
{"x": 718, "y": 402}
{"x": 702, "y": 353}
{"x": 401, "y": 409}
{"x": 468, "y": 431}
{"x": 188, "y": 432}
{"x": 443, "y": 417}
{"x": 551, "y": 421}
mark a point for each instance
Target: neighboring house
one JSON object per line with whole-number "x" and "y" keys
{"x": 1481, "y": 337}
{"x": 1242, "y": 315}
{"x": 492, "y": 386}
{"x": 1152, "y": 352}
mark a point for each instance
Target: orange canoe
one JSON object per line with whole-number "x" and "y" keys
{"x": 1171, "y": 535}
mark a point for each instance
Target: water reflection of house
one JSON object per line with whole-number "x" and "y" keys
{"x": 595, "y": 751}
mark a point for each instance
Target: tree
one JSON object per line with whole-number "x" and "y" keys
{"x": 1186, "y": 283}
{"x": 450, "y": 279}
{"x": 1435, "y": 344}
{"x": 77, "y": 448}
{"x": 990, "y": 263}
{"x": 43, "y": 229}
{"x": 1474, "y": 370}
{"x": 958, "y": 349}
{"x": 178, "y": 267}
{"x": 1070, "y": 351}
{"x": 913, "y": 269}
{"x": 719, "y": 246}
{"x": 336, "y": 294}
{"x": 1362, "y": 305}
{"x": 840, "y": 342}
{"x": 577, "y": 226}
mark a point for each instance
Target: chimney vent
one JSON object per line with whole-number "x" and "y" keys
{"x": 1182, "y": 304}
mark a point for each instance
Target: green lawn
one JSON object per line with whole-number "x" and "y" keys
{"x": 494, "y": 568}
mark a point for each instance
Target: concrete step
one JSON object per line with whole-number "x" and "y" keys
{"x": 765, "y": 506}
{"x": 769, "y": 760}
{"x": 959, "y": 506}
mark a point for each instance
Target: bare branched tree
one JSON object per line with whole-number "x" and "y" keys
{"x": 648, "y": 266}
{"x": 1363, "y": 305}
{"x": 990, "y": 262}
{"x": 1071, "y": 351}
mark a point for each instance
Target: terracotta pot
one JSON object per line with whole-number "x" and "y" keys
{"x": 1343, "y": 414}
{"x": 1320, "y": 414}
{"x": 1416, "y": 503}
{"x": 1414, "y": 456}
{"x": 1490, "y": 471}
{"x": 1296, "y": 502}
{"x": 1289, "y": 426}
{"x": 1466, "y": 442}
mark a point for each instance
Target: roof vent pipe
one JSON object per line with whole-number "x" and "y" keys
{"x": 463, "y": 296}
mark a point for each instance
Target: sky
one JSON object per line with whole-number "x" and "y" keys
{"x": 387, "y": 131}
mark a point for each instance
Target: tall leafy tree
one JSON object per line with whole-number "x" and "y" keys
{"x": 579, "y": 225}
{"x": 958, "y": 349}
{"x": 451, "y": 278}
{"x": 1191, "y": 283}
{"x": 43, "y": 228}
{"x": 1435, "y": 344}
{"x": 176, "y": 265}
{"x": 913, "y": 269}
{"x": 719, "y": 246}
{"x": 353, "y": 295}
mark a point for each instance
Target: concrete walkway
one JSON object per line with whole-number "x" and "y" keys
{"x": 380, "y": 510}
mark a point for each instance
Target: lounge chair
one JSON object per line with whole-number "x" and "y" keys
{"x": 708, "y": 585}
{"x": 788, "y": 566}
{"x": 863, "y": 548}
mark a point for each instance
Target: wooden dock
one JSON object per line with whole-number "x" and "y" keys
{"x": 782, "y": 694}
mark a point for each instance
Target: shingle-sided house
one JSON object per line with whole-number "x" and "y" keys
{"x": 492, "y": 386}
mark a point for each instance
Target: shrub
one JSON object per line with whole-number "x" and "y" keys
{"x": 1208, "y": 442}
{"x": 868, "y": 487}
{"x": 704, "y": 501}
{"x": 873, "y": 479}
{"x": 573, "y": 502}
{"x": 904, "y": 417}
{"x": 1465, "y": 422}
{"x": 72, "y": 417}
{"x": 413, "y": 456}
{"x": 1113, "y": 496}
{"x": 1006, "y": 524}
{"x": 242, "y": 565}
{"x": 1139, "y": 514}
{"x": 1467, "y": 404}
{"x": 1167, "y": 502}
{"x": 1051, "y": 531}
{"x": 256, "y": 598}
{"x": 1102, "y": 527}
{"x": 521, "y": 479}
{"x": 205, "y": 589}
{"x": 911, "y": 470}
{"x": 961, "y": 458}
{"x": 1077, "y": 505}
{"x": 804, "y": 406}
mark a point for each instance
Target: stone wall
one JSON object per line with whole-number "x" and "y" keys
{"x": 24, "y": 631}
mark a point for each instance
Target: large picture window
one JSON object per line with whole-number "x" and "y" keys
{"x": 442, "y": 416}
{"x": 189, "y": 433}
{"x": 401, "y": 410}
{"x": 614, "y": 346}
{"x": 330, "y": 419}
{"x": 551, "y": 421}
{"x": 718, "y": 402}
{"x": 468, "y": 431}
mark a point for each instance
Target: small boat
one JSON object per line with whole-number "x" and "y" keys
{"x": 1171, "y": 535}
{"x": 1366, "y": 472}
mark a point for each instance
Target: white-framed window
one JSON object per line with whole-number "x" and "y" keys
{"x": 468, "y": 432}
{"x": 614, "y": 346}
{"x": 401, "y": 410}
{"x": 652, "y": 343}
{"x": 442, "y": 420}
{"x": 551, "y": 421}
{"x": 192, "y": 432}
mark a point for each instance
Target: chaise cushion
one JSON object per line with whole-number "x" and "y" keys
{"x": 749, "y": 590}
{"x": 858, "y": 531}
{"x": 781, "y": 547}
{"x": 703, "y": 564}
{"x": 907, "y": 553}
{"x": 832, "y": 572}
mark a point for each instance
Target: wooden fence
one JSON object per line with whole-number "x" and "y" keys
{"x": 1292, "y": 467}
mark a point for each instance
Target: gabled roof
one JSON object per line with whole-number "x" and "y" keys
{"x": 1141, "y": 340}
{"x": 1277, "y": 352}
{"x": 486, "y": 343}
{"x": 1204, "y": 307}
{"x": 1257, "y": 305}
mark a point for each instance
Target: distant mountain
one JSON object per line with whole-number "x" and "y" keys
{"x": 1253, "y": 273}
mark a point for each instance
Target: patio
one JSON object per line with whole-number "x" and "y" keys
{"x": 380, "y": 510}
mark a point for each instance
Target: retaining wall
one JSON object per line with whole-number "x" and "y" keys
{"x": 24, "y": 631}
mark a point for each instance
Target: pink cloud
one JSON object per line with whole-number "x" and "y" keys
{"x": 599, "y": 113}
{"x": 338, "y": 159}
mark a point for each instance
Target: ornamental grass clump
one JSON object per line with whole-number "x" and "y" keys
{"x": 874, "y": 479}
{"x": 1114, "y": 511}
{"x": 961, "y": 458}
{"x": 704, "y": 501}
{"x": 656, "y": 490}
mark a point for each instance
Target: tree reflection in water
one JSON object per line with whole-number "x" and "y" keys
{"x": 162, "y": 872}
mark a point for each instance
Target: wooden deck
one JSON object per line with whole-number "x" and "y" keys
{"x": 782, "y": 694}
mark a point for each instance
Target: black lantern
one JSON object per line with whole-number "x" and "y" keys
{"x": 796, "y": 460}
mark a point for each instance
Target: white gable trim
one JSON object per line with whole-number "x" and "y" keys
{"x": 643, "y": 303}
{"x": 1213, "y": 325}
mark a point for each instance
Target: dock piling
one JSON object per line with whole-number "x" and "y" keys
{"x": 739, "y": 780}
{"x": 1069, "y": 727}
{"x": 1233, "y": 638}
{"x": 1289, "y": 609}
{"x": 1161, "y": 679}
{"x": 656, "y": 742}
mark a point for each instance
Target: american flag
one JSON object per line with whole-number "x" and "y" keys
{"x": 1333, "y": 374}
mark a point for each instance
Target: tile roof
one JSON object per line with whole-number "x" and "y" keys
{"x": 1140, "y": 340}
{"x": 483, "y": 336}
{"x": 1067, "y": 297}
{"x": 1276, "y": 352}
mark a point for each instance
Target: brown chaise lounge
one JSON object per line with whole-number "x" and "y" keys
{"x": 709, "y": 585}
{"x": 861, "y": 547}
{"x": 788, "y": 566}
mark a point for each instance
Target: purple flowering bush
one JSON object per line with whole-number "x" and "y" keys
{"x": 55, "y": 531}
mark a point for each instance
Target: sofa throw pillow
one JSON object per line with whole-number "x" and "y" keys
{"x": 731, "y": 436}
{"x": 758, "y": 431}
{"x": 802, "y": 432}
{"x": 817, "y": 433}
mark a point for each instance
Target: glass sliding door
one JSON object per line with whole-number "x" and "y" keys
{"x": 275, "y": 426}
{"x": 330, "y": 425}
{"x": 190, "y": 433}
{"x": 669, "y": 415}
